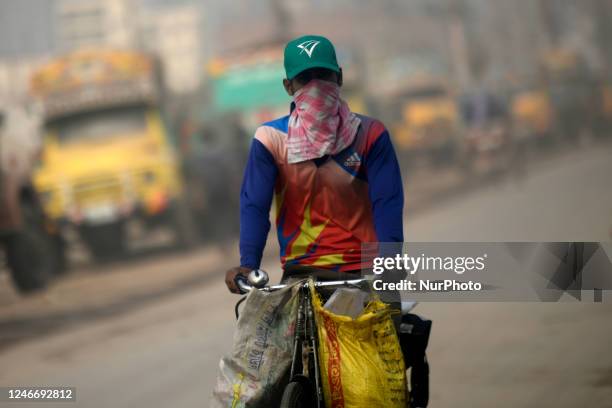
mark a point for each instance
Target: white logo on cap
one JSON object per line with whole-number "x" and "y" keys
{"x": 308, "y": 46}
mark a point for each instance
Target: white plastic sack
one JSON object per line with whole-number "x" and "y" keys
{"x": 347, "y": 302}
{"x": 254, "y": 373}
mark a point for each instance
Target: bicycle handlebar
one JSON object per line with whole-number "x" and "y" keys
{"x": 257, "y": 279}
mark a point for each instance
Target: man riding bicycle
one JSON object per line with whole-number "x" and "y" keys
{"x": 333, "y": 173}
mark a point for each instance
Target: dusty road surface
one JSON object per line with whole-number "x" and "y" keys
{"x": 150, "y": 333}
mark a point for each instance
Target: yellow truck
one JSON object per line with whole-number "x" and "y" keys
{"x": 107, "y": 158}
{"x": 533, "y": 115}
{"x": 425, "y": 122}
{"x": 574, "y": 93}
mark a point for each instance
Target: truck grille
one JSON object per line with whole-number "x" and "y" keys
{"x": 96, "y": 191}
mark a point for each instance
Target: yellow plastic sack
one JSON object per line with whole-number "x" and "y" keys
{"x": 360, "y": 359}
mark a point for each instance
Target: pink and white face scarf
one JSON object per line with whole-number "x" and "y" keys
{"x": 321, "y": 123}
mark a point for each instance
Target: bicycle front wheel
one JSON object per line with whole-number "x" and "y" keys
{"x": 295, "y": 396}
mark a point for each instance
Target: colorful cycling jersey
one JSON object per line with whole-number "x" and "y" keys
{"x": 325, "y": 208}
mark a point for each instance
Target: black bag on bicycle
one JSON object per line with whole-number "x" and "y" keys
{"x": 414, "y": 337}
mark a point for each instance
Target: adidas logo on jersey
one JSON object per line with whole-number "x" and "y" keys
{"x": 353, "y": 160}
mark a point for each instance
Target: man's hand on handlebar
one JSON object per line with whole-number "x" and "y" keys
{"x": 230, "y": 277}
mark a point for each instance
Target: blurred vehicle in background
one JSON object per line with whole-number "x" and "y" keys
{"x": 245, "y": 91}
{"x": 213, "y": 156}
{"x": 33, "y": 246}
{"x": 573, "y": 93}
{"x": 248, "y": 83}
{"x": 488, "y": 136}
{"x": 564, "y": 107}
{"x": 532, "y": 116}
{"x": 107, "y": 157}
{"x": 424, "y": 121}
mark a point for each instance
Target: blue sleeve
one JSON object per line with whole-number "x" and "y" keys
{"x": 255, "y": 202}
{"x": 386, "y": 190}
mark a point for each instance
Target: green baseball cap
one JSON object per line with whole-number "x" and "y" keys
{"x": 309, "y": 51}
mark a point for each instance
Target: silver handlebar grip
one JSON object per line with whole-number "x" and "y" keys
{"x": 258, "y": 278}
